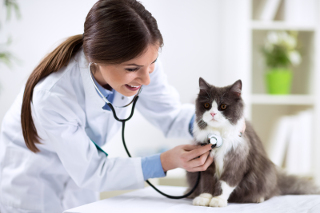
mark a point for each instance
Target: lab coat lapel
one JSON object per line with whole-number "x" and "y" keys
{"x": 98, "y": 120}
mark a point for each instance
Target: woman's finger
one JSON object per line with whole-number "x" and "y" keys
{"x": 189, "y": 147}
{"x": 196, "y": 162}
{"x": 198, "y": 152}
{"x": 243, "y": 127}
{"x": 204, "y": 167}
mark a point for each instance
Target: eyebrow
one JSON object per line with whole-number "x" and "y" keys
{"x": 140, "y": 65}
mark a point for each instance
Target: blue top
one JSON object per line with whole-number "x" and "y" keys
{"x": 151, "y": 165}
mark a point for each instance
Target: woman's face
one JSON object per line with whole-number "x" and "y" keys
{"x": 127, "y": 77}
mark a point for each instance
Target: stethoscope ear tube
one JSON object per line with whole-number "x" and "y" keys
{"x": 131, "y": 114}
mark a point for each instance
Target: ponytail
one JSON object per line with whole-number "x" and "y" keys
{"x": 57, "y": 59}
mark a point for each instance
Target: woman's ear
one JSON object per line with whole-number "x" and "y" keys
{"x": 93, "y": 67}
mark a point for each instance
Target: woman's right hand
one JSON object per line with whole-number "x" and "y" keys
{"x": 189, "y": 157}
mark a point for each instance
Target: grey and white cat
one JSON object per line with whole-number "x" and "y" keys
{"x": 241, "y": 170}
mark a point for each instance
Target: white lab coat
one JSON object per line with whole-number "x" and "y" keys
{"x": 69, "y": 170}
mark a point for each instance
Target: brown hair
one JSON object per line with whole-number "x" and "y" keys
{"x": 115, "y": 31}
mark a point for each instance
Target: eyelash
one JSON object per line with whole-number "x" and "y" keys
{"x": 132, "y": 70}
{"x": 136, "y": 69}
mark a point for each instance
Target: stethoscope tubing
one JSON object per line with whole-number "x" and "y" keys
{"x": 123, "y": 121}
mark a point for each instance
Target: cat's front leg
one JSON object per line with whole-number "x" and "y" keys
{"x": 233, "y": 170}
{"x": 207, "y": 186}
{"x": 222, "y": 199}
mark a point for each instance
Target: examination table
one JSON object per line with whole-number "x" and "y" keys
{"x": 149, "y": 201}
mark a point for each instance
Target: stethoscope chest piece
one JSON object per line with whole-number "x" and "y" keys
{"x": 215, "y": 140}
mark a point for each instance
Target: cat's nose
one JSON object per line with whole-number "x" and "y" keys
{"x": 213, "y": 114}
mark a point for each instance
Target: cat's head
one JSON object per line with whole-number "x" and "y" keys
{"x": 218, "y": 106}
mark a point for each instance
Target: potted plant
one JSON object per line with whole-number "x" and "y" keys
{"x": 10, "y": 6}
{"x": 281, "y": 54}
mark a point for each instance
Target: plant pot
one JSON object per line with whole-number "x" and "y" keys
{"x": 278, "y": 81}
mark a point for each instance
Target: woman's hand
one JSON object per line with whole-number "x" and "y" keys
{"x": 189, "y": 157}
{"x": 243, "y": 128}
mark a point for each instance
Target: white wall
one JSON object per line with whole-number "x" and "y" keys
{"x": 43, "y": 25}
{"x": 199, "y": 39}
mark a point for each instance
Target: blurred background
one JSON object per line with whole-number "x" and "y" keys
{"x": 222, "y": 41}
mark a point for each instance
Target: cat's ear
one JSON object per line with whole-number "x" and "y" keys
{"x": 203, "y": 85}
{"x": 236, "y": 88}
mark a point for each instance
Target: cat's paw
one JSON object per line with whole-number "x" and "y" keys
{"x": 202, "y": 200}
{"x": 218, "y": 202}
{"x": 260, "y": 200}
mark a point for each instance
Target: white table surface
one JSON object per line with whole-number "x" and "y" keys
{"x": 148, "y": 201}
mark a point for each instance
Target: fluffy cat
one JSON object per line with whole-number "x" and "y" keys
{"x": 241, "y": 171}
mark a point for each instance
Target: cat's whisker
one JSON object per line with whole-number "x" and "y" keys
{"x": 201, "y": 124}
{"x": 199, "y": 121}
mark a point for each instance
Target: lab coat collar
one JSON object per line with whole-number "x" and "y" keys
{"x": 91, "y": 94}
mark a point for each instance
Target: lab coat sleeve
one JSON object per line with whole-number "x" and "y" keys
{"x": 65, "y": 134}
{"x": 159, "y": 103}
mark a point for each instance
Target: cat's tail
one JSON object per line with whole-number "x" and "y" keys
{"x": 295, "y": 185}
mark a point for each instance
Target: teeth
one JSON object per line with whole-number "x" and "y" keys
{"x": 133, "y": 86}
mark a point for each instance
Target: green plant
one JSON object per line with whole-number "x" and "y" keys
{"x": 280, "y": 49}
{"x": 11, "y": 6}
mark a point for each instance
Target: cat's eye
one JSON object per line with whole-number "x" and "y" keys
{"x": 223, "y": 106}
{"x": 206, "y": 105}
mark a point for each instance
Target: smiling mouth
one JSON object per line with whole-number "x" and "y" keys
{"x": 132, "y": 88}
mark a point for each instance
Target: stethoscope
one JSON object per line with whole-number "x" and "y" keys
{"x": 213, "y": 139}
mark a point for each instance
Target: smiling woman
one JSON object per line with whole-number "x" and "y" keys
{"x": 128, "y": 77}
{"x": 59, "y": 120}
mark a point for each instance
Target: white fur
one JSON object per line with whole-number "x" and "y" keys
{"x": 261, "y": 200}
{"x": 222, "y": 200}
{"x": 202, "y": 200}
{"x": 218, "y": 202}
{"x": 226, "y": 190}
{"x": 220, "y": 126}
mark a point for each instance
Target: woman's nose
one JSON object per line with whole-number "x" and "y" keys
{"x": 145, "y": 76}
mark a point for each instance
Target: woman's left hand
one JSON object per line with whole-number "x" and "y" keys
{"x": 189, "y": 157}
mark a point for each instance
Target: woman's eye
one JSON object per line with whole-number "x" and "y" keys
{"x": 132, "y": 69}
{"x": 223, "y": 106}
{"x": 206, "y": 105}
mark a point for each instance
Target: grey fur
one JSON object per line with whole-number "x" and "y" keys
{"x": 247, "y": 167}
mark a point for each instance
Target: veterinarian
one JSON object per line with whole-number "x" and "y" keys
{"x": 49, "y": 144}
